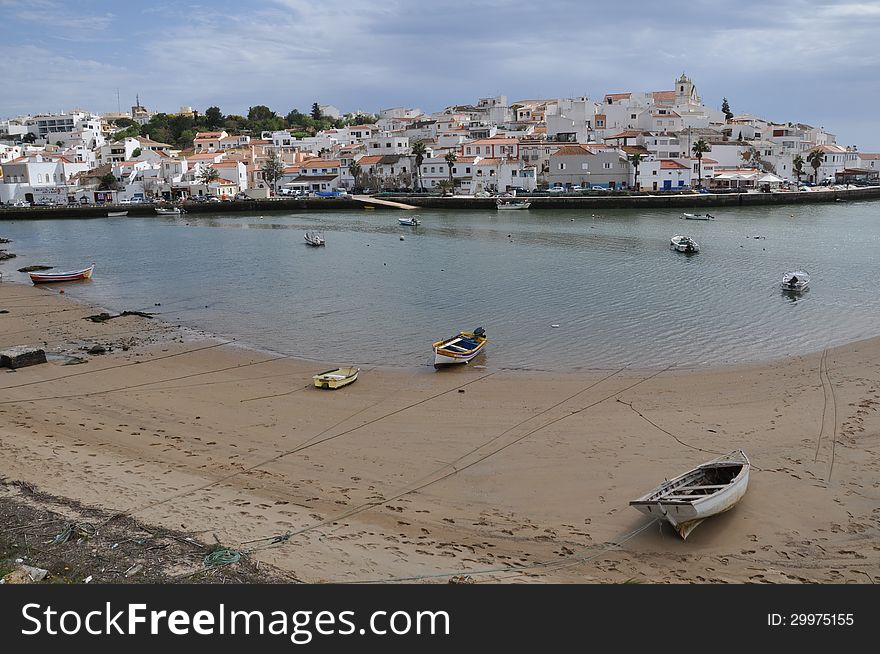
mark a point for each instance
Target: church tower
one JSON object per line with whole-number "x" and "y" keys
{"x": 685, "y": 91}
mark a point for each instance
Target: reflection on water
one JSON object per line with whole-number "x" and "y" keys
{"x": 619, "y": 293}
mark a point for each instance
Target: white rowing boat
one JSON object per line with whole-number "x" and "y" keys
{"x": 796, "y": 281}
{"x": 336, "y": 378}
{"x": 684, "y": 244}
{"x": 709, "y": 489}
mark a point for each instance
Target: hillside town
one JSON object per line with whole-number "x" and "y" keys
{"x": 665, "y": 141}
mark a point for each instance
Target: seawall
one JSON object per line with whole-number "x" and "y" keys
{"x": 635, "y": 201}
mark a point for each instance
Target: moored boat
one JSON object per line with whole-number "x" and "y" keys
{"x": 116, "y": 214}
{"x": 461, "y": 348}
{"x": 314, "y": 238}
{"x": 168, "y": 211}
{"x": 683, "y": 244}
{"x": 67, "y": 276}
{"x": 336, "y": 378}
{"x": 698, "y": 216}
{"x": 795, "y": 281}
{"x": 709, "y": 489}
{"x": 502, "y": 205}
{"x": 412, "y": 221}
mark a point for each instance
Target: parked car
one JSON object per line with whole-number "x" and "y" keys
{"x": 213, "y": 198}
{"x": 556, "y": 189}
{"x": 243, "y": 196}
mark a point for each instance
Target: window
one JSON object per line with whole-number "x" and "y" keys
{"x": 632, "y": 116}
{"x": 562, "y": 166}
{"x": 585, "y": 166}
{"x": 467, "y": 170}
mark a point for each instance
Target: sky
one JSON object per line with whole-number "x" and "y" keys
{"x": 787, "y": 61}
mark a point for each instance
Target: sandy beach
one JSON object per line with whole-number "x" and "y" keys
{"x": 420, "y": 475}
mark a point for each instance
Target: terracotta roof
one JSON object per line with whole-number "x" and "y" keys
{"x": 617, "y": 96}
{"x": 493, "y": 141}
{"x": 360, "y": 127}
{"x": 369, "y": 160}
{"x": 488, "y": 161}
{"x": 660, "y": 96}
{"x": 226, "y": 164}
{"x": 831, "y": 149}
{"x": 204, "y": 156}
{"x": 320, "y": 163}
{"x": 635, "y": 149}
{"x": 626, "y": 134}
{"x": 666, "y": 164}
{"x": 869, "y": 156}
{"x": 315, "y": 178}
{"x": 572, "y": 151}
{"x": 208, "y": 135}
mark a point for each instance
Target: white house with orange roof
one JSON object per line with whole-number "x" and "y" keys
{"x": 504, "y": 148}
{"x": 662, "y": 174}
{"x": 235, "y": 172}
{"x": 234, "y": 141}
{"x": 868, "y": 161}
{"x": 208, "y": 141}
{"x": 38, "y": 176}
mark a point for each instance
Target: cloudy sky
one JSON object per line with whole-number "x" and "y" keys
{"x": 790, "y": 60}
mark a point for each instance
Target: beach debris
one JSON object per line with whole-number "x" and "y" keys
{"x": 461, "y": 390}
{"x": 34, "y": 268}
{"x": 88, "y": 579}
{"x": 78, "y": 529}
{"x": 25, "y": 574}
{"x": 104, "y": 316}
{"x": 462, "y": 579}
{"x": 402, "y": 238}
{"x": 21, "y": 356}
{"x": 3, "y": 310}
{"x": 5, "y": 240}
{"x": 133, "y": 570}
{"x": 97, "y": 349}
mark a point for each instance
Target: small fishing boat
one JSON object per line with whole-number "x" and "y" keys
{"x": 314, "y": 238}
{"x": 116, "y": 214}
{"x": 707, "y": 490}
{"x": 336, "y": 378}
{"x": 461, "y": 348}
{"x": 169, "y": 211}
{"x": 796, "y": 281}
{"x": 412, "y": 221}
{"x": 68, "y": 276}
{"x": 684, "y": 244}
{"x": 698, "y": 216}
{"x": 502, "y": 205}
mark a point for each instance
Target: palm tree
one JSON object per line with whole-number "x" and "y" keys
{"x": 636, "y": 160}
{"x": 354, "y": 169}
{"x": 451, "y": 158}
{"x": 815, "y": 159}
{"x": 798, "y": 164}
{"x": 699, "y": 148}
{"x": 419, "y": 151}
{"x": 207, "y": 176}
{"x": 445, "y": 185}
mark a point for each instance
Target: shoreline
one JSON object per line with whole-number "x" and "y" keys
{"x": 641, "y": 200}
{"x": 403, "y": 475}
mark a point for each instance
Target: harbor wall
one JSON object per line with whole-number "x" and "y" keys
{"x": 630, "y": 201}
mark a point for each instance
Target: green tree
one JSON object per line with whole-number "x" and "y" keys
{"x": 445, "y": 185}
{"x": 235, "y": 124}
{"x": 798, "y": 165}
{"x": 136, "y": 153}
{"x": 451, "y": 158}
{"x": 725, "y": 109}
{"x": 213, "y": 118}
{"x": 108, "y": 182}
{"x": 636, "y": 160}
{"x": 208, "y": 175}
{"x": 354, "y": 169}
{"x": 698, "y": 149}
{"x": 273, "y": 169}
{"x": 259, "y": 112}
{"x": 815, "y": 159}
{"x": 123, "y": 122}
{"x": 185, "y": 139}
{"x": 316, "y": 111}
{"x": 419, "y": 151}
{"x": 294, "y": 118}
{"x": 30, "y": 137}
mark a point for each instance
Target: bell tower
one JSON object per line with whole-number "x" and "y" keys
{"x": 685, "y": 91}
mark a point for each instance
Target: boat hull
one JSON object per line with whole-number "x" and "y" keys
{"x": 49, "y": 278}
{"x": 686, "y": 514}
{"x": 337, "y": 378}
{"x": 514, "y": 207}
{"x": 446, "y": 354}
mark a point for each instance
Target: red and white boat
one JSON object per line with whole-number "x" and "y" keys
{"x": 69, "y": 276}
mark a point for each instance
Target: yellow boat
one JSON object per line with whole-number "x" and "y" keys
{"x": 336, "y": 378}
{"x": 461, "y": 348}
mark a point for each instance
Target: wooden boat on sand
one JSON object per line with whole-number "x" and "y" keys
{"x": 461, "y": 348}
{"x": 68, "y": 276}
{"x": 336, "y": 378}
{"x": 709, "y": 489}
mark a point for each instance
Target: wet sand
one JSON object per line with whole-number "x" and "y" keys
{"x": 420, "y": 474}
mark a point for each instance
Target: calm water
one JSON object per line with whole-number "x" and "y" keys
{"x": 618, "y": 293}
